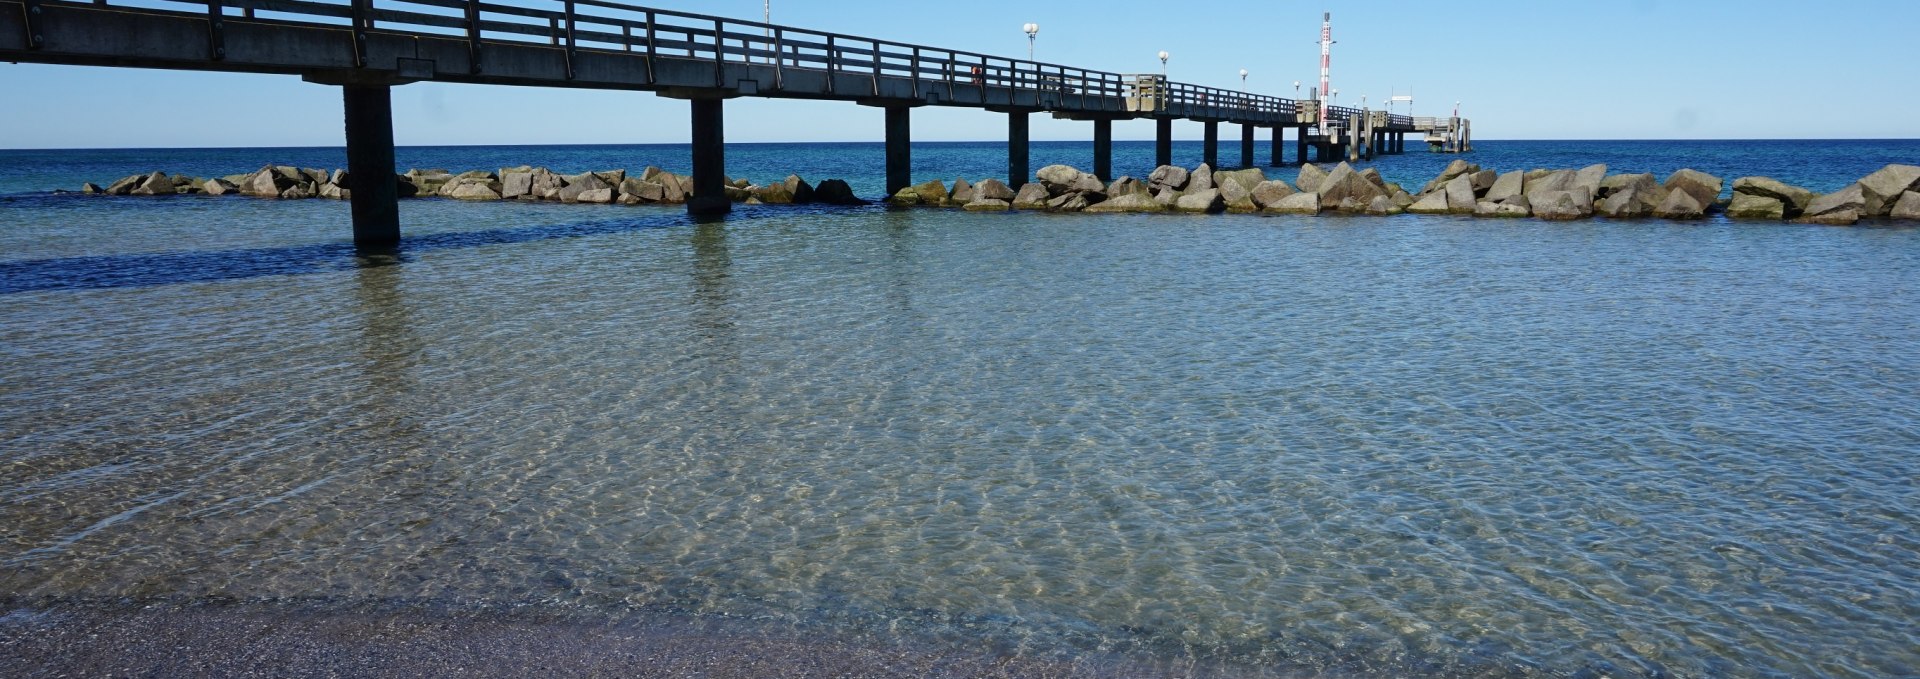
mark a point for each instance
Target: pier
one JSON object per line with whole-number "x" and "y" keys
{"x": 367, "y": 47}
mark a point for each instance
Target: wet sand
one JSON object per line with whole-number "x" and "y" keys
{"x": 241, "y": 641}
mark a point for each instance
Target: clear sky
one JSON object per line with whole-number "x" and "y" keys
{"x": 1525, "y": 69}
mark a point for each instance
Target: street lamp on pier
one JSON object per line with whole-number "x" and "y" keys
{"x": 1163, "y": 64}
{"x": 1033, "y": 31}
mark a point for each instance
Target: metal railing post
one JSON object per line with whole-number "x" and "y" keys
{"x": 361, "y": 10}
{"x": 833, "y": 64}
{"x": 473, "y": 36}
{"x": 216, "y": 30}
{"x": 876, "y": 66}
{"x": 651, "y": 20}
{"x": 570, "y": 40}
{"x": 719, "y": 53}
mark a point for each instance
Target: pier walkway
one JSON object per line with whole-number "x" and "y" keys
{"x": 369, "y": 46}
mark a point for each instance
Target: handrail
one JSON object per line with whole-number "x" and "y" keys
{"x": 611, "y": 25}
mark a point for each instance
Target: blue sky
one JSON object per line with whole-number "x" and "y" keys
{"x": 1525, "y": 69}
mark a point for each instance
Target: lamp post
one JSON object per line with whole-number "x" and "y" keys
{"x": 1033, "y": 31}
{"x": 1163, "y": 64}
{"x": 1243, "y": 78}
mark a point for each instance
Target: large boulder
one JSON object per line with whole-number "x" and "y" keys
{"x": 154, "y": 184}
{"x": 1343, "y": 184}
{"x": 1060, "y": 179}
{"x": 1201, "y": 179}
{"x": 1883, "y": 188}
{"x": 1453, "y": 169}
{"x": 962, "y": 194}
{"x": 1793, "y": 199}
{"x": 1750, "y": 206}
{"x": 1501, "y": 210}
{"x": 1908, "y": 207}
{"x": 1589, "y": 179}
{"x": 1310, "y": 177}
{"x": 772, "y": 194}
{"x": 1238, "y": 198}
{"x": 801, "y": 191}
{"x": 1842, "y": 207}
{"x": 1069, "y": 202}
{"x": 1032, "y": 196}
{"x": 1382, "y": 205}
{"x": 1247, "y": 179}
{"x": 516, "y": 181}
{"x": 1434, "y": 203}
{"x": 545, "y": 185}
{"x": 125, "y": 185}
{"x": 1507, "y": 186}
{"x": 1483, "y": 181}
{"x": 271, "y": 182}
{"x": 220, "y": 187}
{"x": 1679, "y": 204}
{"x": 1168, "y": 177}
{"x": 987, "y": 205}
{"x": 1302, "y": 203}
{"x": 931, "y": 193}
{"x": 835, "y": 192}
{"x": 1702, "y": 187}
{"x": 1201, "y": 200}
{"x": 1631, "y": 202}
{"x": 1618, "y": 182}
{"x": 1460, "y": 197}
{"x": 993, "y": 189}
{"x": 1563, "y": 205}
{"x": 1127, "y": 186}
{"x": 476, "y": 190}
{"x": 578, "y": 184}
{"x": 598, "y": 196}
{"x": 1128, "y": 202}
{"x": 1268, "y": 193}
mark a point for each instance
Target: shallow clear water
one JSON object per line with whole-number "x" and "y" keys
{"x": 1410, "y": 445}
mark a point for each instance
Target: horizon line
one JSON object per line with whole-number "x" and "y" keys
{"x": 1223, "y": 143}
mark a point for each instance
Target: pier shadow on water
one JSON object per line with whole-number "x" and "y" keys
{"x": 206, "y": 266}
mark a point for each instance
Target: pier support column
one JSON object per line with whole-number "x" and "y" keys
{"x": 709, "y": 159}
{"x": 1210, "y": 145}
{"x": 1103, "y": 149}
{"x": 370, "y": 177}
{"x": 1018, "y": 171}
{"x": 1246, "y": 145}
{"x": 899, "y": 149}
{"x": 1162, "y": 142}
{"x": 1279, "y": 135}
{"x": 1300, "y": 148}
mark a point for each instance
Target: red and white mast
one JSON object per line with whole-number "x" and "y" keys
{"x": 1326, "y": 62}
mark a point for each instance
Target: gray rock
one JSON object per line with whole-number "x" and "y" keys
{"x": 1793, "y": 199}
{"x": 1618, "y": 182}
{"x": 578, "y": 184}
{"x": 1238, "y": 198}
{"x": 547, "y": 186}
{"x": 1032, "y": 196}
{"x": 1200, "y": 180}
{"x": 1201, "y": 200}
{"x": 1269, "y": 193}
{"x": 798, "y": 188}
{"x": 218, "y": 187}
{"x": 126, "y": 185}
{"x": 987, "y": 205}
{"x": 833, "y": 192}
{"x": 1680, "y": 204}
{"x": 1589, "y": 179}
{"x": 1507, "y": 186}
{"x": 1453, "y": 169}
{"x": 1703, "y": 188}
{"x": 477, "y": 191}
{"x": 963, "y": 192}
{"x": 993, "y": 189}
{"x": 1301, "y": 203}
{"x": 932, "y": 193}
{"x": 1058, "y": 178}
{"x": 334, "y": 191}
{"x": 299, "y": 191}
{"x": 1750, "y": 206}
{"x": 1247, "y": 178}
{"x": 1166, "y": 197}
{"x": 1128, "y": 202}
{"x": 1500, "y": 210}
{"x": 91, "y": 189}
{"x": 1842, "y": 217}
{"x": 1882, "y": 189}
{"x": 600, "y": 196}
{"x": 1460, "y": 196}
{"x": 1069, "y": 202}
{"x": 1852, "y": 198}
{"x": 1343, "y": 184}
{"x": 1483, "y": 181}
{"x": 155, "y": 184}
{"x": 1373, "y": 176}
{"x": 1562, "y": 205}
{"x": 1434, "y": 203}
{"x": 771, "y": 194}
{"x": 1168, "y": 177}
{"x": 1631, "y": 202}
{"x": 1908, "y": 207}
{"x": 651, "y": 192}
{"x": 515, "y": 183}
{"x": 736, "y": 194}
{"x": 1382, "y": 205}
{"x": 1310, "y": 177}
{"x": 270, "y": 182}
{"x": 1402, "y": 199}
{"x": 1128, "y": 186}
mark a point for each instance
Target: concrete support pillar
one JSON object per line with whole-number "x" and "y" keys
{"x": 1279, "y": 135}
{"x": 1246, "y": 145}
{"x": 1162, "y": 141}
{"x": 1018, "y": 172}
{"x": 1210, "y": 146}
{"x": 899, "y": 149}
{"x": 1300, "y": 147}
{"x": 370, "y": 176}
{"x": 709, "y": 160}
{"x": 1466, "y": 133}
{"x": 1103, "y": 149}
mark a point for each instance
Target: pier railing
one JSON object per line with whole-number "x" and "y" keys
{"x": 605, "y": 26}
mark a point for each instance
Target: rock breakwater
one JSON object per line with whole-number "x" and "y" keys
{"x": 649, "y": 186}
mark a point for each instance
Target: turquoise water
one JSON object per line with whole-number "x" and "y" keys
{"x": 1408, "y": 446}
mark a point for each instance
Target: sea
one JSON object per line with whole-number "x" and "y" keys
{"x": 1229, "y": 445}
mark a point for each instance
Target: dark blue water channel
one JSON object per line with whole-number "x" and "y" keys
{"x": 1406, "y": 445}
